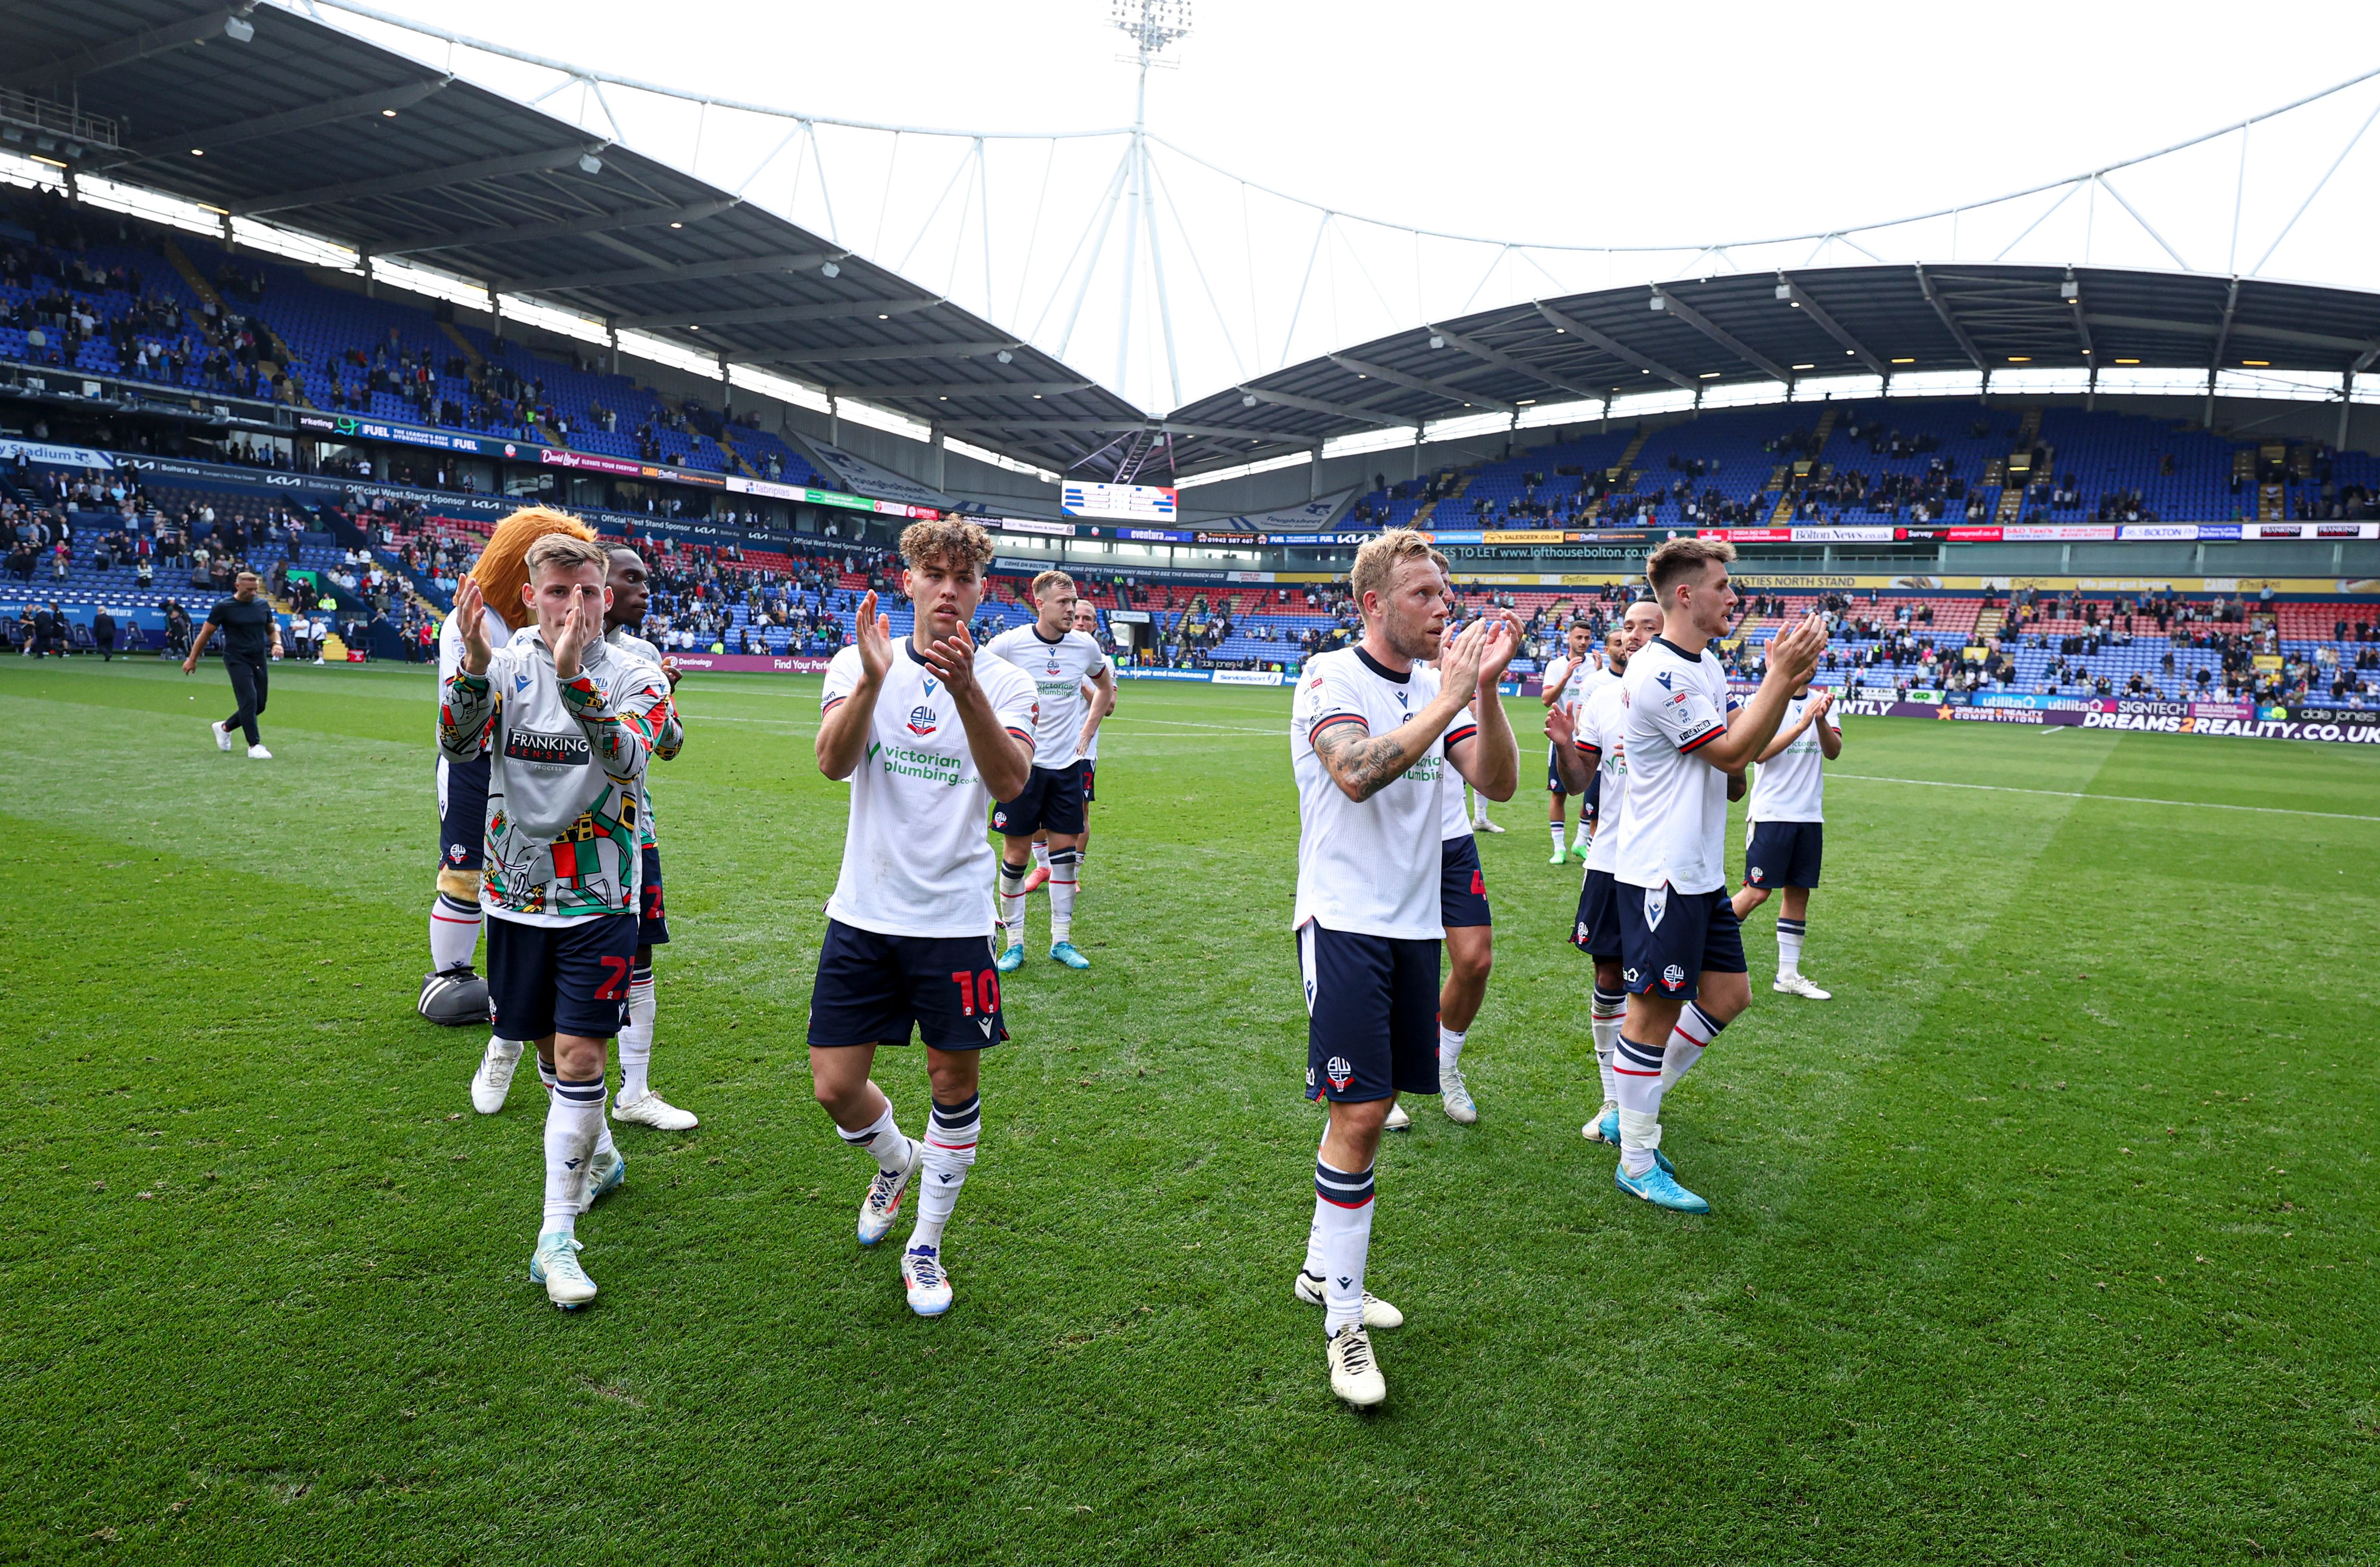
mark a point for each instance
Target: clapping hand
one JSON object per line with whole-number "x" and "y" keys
{"x": 875, "y": 641}
{"x": 578, "y": 631}
{"x": 953, "y": 658}
{"x": 470, "y": 619}
{"x": 1794, "y": 654}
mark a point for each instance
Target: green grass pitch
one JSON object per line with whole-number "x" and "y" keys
{"x": 2050, "y": 1239}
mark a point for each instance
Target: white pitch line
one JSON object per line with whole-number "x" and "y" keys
{"x": 2122, "y": 800}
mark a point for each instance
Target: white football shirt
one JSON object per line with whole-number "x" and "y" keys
{"x": 1455, "y": 809}
{"x": 1368, "y": 866}
{"x": 915, "y": 860}
{"x": 1057, "y": 671}
{"x": 1791, "y": 786}
{"x": 1602, "y": 738}
{"x": 1576, "y": 690}
{"x": 1677, "y": 803}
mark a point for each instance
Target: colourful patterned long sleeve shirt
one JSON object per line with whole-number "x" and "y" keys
{"x": 565, "y": 776}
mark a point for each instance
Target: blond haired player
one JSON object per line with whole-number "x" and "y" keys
{"x": 567, "y": 726}
{"x": 1373, "y": 733}
{"x": 452, "y": 992}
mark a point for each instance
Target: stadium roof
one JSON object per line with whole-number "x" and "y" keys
{"x": 1794, "y": 326}
{"x": 307, "y": 126}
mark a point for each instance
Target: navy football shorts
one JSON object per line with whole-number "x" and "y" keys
{"x": 1597, "y": 931}
{"x": 1553, "y": 769}
{"x": 1784, "y": 854}
{"x": 1669, "y": 940}
{"x": 560, "y": 979}
{"x": 463, "y": 814}
{"x": 652, "y": 919}
{"x": 873, "y": 989}
{"x": 1088, "y": 768}
{"x": 1462, "y": 886}
{"x": 1052, "y": 800}
{"x": 1371, "y": 1007}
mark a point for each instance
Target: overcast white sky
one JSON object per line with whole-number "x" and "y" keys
{"x": 1594, "y": 124}
{"x": 1578, "y": 125}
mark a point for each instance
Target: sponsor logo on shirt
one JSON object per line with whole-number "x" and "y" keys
{"x": 552, "y": 751}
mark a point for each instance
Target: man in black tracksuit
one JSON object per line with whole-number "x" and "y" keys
{"x": 250, "y": 631}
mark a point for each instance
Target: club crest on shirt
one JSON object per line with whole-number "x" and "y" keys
{"x": 1339, "y": 1072}
{"x": 922, "y": 720}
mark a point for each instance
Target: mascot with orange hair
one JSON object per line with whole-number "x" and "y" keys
{"x": 454, "y": 992}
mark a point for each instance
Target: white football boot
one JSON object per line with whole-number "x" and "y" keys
{"x": 1354, "y": 1375}
{"x": 554, "y": 1264}
{"x": 223, "y": 736}
{"x": 1398, "y": 1120}
{"x": 1798, "y": 984}
{"x": 922, "y": 1277}
{"x": 882, "y": 1204}
{"x": 493, "y": 1080}
{"x": 1455, "y": 1096}
{"x": 655, "y": 1111}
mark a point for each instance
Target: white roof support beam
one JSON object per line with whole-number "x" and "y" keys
{"x": 1830, "y": 326}
{"x": 1421, "y": 384}
{"x": 1942, "y": 309}
{"x": 1670, "y": 304}
{"x": 2223, "y": 333}
{"x": 1612, "y": 345}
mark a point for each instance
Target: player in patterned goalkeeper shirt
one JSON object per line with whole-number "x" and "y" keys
{"x": 567, "y": 724}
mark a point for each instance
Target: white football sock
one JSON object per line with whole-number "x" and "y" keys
{"x": 574, "y": 1115}
{"x": 1603, "y": 1016}
{"x": 1450, "y": 1047}
{"x": 454, "y": 933}
{"x": 951, "y": 1137}
{"x": 1692, "y": 1036}
{"x": 1041, "y": 856}
{"x": 1340, "y": 1242}
{"x": 1560, "y": 843}
{"x": 1012, "y": 901}
{"x": 881, "y": 1140}
{"x": 1586, "y": 831}
{"x": 1065, "y": 881}
{"x": 1790, "y": 933}
{"x": 1637, "y": 1071}
{"x": 636, "y": 1038}
{"x": 603, "y": 1143}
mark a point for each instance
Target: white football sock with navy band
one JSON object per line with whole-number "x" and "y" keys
{"x": 881, "y": 1140}
{"x": 1041, "y": 856}
{"x": 636, "y": 1036}
{"x": 1065, "y": 881}
{"x": 1561, "y": 844}
{"x": 1339, "y": 1243}
{"x": 1636, "y": 1069}
{"x": 1789, "y": 946}
{"x": 1604, "y": 1014}
{"x": 1695, "y": 1030}
{"x": 951, "y": 1137}
{"x": 454, "y": 933}
{"x": 1012, "y": 901}
{"x": 574, "y": 1115}
{"x": 603, "y": 1144}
